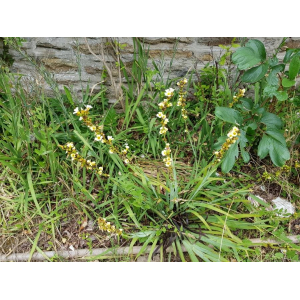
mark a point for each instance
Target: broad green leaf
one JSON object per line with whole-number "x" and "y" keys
{"x": 230, "y": 158}
{"x": 276, "y": 135}
{"x": 252, "y": 54}
{"x": 279, "y": 154}
{"x": 229, "y": 115}
{"x": 243, "y": 139}
{"x": 281, "y": 95}
{"x": 253, "y": 125}
{"x": 287, "y": 83}
{"x": 259, "y": 110}
{"x": 245, "y": 155}
{"x": 263, "y": 147}
{"x": 258, "y": 47}
{"x": 245, "y": 58}
{"x": 247, "y": 103}
{"x": 278, "y": 68}
{"x": 272, "y": 79}
{"x": 270, "y": 91}
{"x": 288, "y": 55}
{"x": 273, "y": 61}
{"x": 294, "y": 67}
{"x": 255, "y": 74}
{"x": 271, "y": 120}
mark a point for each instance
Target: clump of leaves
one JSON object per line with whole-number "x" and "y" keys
{"x": 261, "y": 127}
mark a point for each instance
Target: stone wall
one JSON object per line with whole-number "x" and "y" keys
{"x": 61, "y": 55}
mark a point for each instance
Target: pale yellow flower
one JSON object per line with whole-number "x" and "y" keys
{"x": 98, "y": 137}
{"x": 161, "y": 115}
{"x": 163, "y": 130}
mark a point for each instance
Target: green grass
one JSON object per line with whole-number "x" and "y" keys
{"x": 45, "y": 197}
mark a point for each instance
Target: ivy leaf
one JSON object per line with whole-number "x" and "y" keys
{"x": 229, "y": 115}
{"x": 255, "y": 74}
{"x": 230, "y": 158}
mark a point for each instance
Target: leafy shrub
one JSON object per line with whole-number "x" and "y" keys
{"x": 259, "y": 119}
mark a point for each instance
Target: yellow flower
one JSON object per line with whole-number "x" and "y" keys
{"x": 163, "y": 130}
{"x": 169, "y": 92}
{"x": 100, "y": 170}
{"x": 168, "y": 164}
{"x": 70, "y": 145}
{"x": 98, "y": 138}
{"x": 161, "y": 115}
{"x": 92, "y": 128}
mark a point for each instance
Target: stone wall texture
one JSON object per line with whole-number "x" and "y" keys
{"x": 61, "y": 55}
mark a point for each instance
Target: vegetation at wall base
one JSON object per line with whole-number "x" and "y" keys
{"x": 170, "y": 166}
